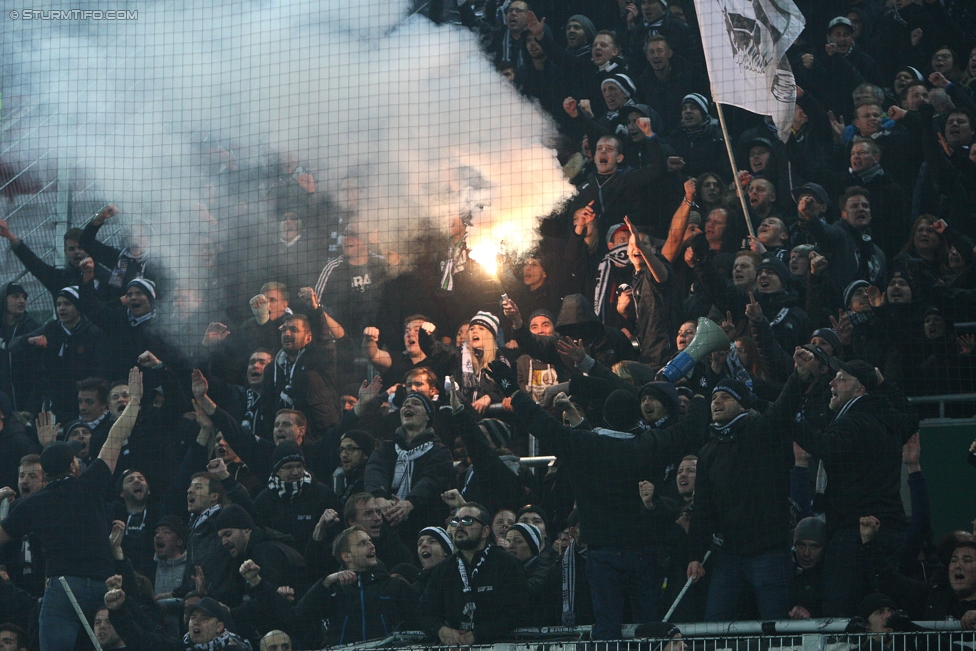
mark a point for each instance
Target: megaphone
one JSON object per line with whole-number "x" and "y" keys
{"x": 709, "y": 338}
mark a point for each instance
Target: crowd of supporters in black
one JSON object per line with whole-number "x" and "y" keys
{"x": 345, "y": 460}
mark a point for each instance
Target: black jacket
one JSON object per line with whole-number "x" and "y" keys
{"x": 375, "y": 607}
{"x": 17, "y": 367}
{"x": 590, "y": 456}
{"x": 66, "y": 359}
{"x": 491, "y": 482}
{"x": 309, "y": 388}
{"x": 497, "y": 590}
{"x": 295, "y": 516}
{"x": 743, "y": 486}
{"x": 55, "y": 279}
{"x": 861, "y": 453}
{"x": 433, "y": 474}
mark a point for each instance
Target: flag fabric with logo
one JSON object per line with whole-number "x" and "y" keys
{"x": 745, "y": 44}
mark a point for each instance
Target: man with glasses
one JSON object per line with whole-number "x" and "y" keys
{"x": 507, "y": 44}
{"x": 355, "y": 446}
{"x": 476, "y": 595}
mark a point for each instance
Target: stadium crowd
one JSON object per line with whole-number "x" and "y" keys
{"x": 344, "y": 461}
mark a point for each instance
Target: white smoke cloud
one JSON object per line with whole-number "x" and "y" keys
{"x": 404, "y": 122}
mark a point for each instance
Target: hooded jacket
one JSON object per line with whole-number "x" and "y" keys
{"x": 296, "y": 515}
{"x": 375, "y": 606}
{"x": 16, "y": 376}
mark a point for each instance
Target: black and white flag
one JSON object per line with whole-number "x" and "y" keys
{"x": 745, "y": 45}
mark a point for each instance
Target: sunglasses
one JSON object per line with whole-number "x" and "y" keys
{"x": 466, "y": 521}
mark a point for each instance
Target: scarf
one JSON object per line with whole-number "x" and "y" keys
{"x": 222, "y": 641}
{"x": 250, "y": 412}
{"x": 617, "y": 257}
{"x": 403, "y": 471}
{"x": 569, "y": 585}
{"x": 467, "y": 613}
{"x": 470, "y": 380}
{"x": 457, "y": 258}
{"x": 198, "y": 520}
{"x": 122, "y": 265}
{"x": 288, "y": 370}
{"x": 98, "y": 421}
{"x": 288, "y": 490}
{"x": 722, "y": 431}
{"x": 69, "y": 334}
{"x": 137, "y": 320}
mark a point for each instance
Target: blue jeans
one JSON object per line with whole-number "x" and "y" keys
{"x": 843, "y": 582}
{"x": 59, "y": 624}
{"x": 612, "y": 571}
{"x": 769, "y": 575}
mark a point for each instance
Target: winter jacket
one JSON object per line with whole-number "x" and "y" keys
{"x": 375, "y": 606}
{"x": 589, "y": 456}
{"x": 295, "y": 515}
{"x": 861, "y": 454}
{"x": 492, "y": 480}
{"x": 742, "y": 489}
{"x": 432, "y": 474}
{"x": 497, "y": 589}
{"x": 67, "y": 358}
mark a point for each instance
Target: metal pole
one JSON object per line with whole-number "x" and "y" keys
{"x": 81, "y": 615}
{"x": 681, "y": 594}
{"x": 735, "y": 175}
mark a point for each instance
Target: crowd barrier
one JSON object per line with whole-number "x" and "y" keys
{"x": 787, "y": 635}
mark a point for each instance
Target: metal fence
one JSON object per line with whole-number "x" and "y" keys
{"x": 790, "y": 635}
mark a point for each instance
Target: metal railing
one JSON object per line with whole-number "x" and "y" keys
{"x": 800, "y": 635}
{"x": 942, "y": 400}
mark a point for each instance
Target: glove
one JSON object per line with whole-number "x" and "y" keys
{"x": 503, "y": 375}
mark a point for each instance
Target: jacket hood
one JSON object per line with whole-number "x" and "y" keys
{"x": 401, "y": 438}
{"x": 576, "y": 319}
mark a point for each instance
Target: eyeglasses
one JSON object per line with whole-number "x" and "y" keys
{"x": 466, "y": 521}
{"x": 515, "y": 10}
{"x": 349, "y": 449}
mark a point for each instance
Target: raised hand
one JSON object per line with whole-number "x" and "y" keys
{"x": 308, "y": 295}
{"x": 216, "y": 333}
{"x": 753, "y": 310}
{"x": 198, "y": 384}
{"x": 503, "y": 376}
{"x": 571, "y": 349}
{"x": 135, "y": 385}
{"x": 646, "y": 490}
{"x": 869, "y": 528}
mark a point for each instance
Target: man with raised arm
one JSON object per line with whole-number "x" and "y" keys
{"x": 80, "y": 553}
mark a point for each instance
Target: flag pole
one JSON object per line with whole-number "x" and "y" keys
{"x": 735, "y": 173}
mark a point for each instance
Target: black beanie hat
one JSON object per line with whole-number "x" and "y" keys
{"x": 499, "y": 431}
{"x": 875, "y": 601}
{"x": 736, "y": 389}
{"x": 621, "y": 411}
{"x": 233, "y": 517}
{"x": 286, "y": 452}
{"x": 531, "y": 534}
{"x": 56, "y": 459}
{"x": 362, "y": 438}
{"x": 441, "y": 536}
{"x": 665, "y": 393}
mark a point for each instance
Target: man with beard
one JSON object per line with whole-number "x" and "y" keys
{"x": 24, "y": 561}
{"x": 139, "y": 515}
{"x": 861, "y": 452}
{"x": 477, "y": 594}
{"x": 355, "y": 448}
{"x": 359, "y": 602}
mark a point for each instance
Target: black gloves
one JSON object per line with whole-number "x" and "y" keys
{"x": 504, "y": 376}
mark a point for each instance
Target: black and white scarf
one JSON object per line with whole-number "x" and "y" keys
{"x": 122, "y": 266}
{"x": 250, "y": 411}
{"x": 66, "y": 344}
{"x": 403, "y": 471}
{"x": 98, "y": 421}
{"x": 199, "y": 519}
{"x": 617, "y": 257}
{"x": 288, "y": 371}
{"x": 569, "y": 584}
{"x": 288, "y": 490}
{"x": 136, "y": 320}
{"x": 467, "y": 613}
{"x": 222, "y": 641}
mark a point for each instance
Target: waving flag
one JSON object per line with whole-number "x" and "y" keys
{"x": 745, "y": 45}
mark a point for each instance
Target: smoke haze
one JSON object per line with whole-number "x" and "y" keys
{"x": 183, "y": 116}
